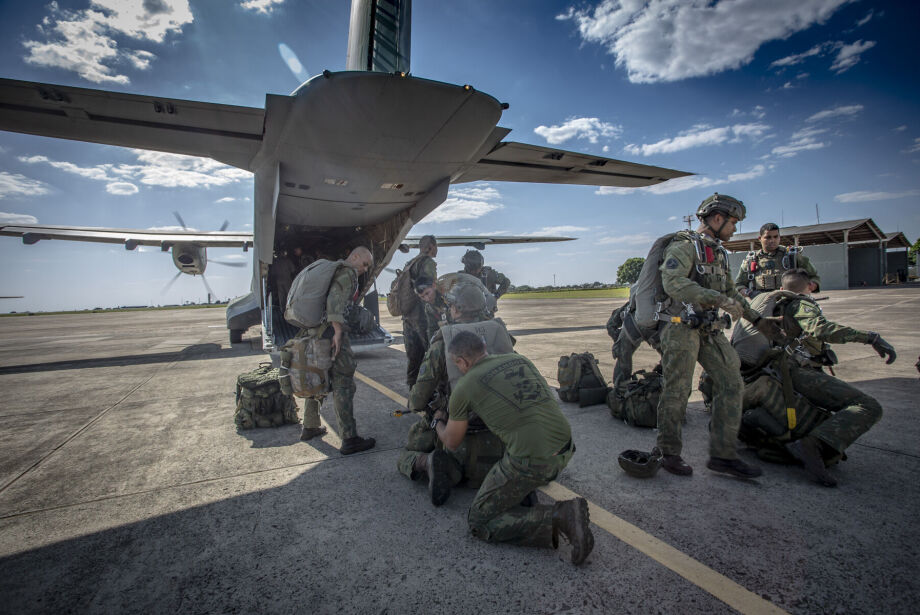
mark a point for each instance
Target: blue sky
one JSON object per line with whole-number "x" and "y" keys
{"x": 783, "y": 104}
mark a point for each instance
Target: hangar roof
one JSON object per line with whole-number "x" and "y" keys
{"x": 818, "y": 234}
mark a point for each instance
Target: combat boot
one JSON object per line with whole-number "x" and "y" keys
{"x": 734, "y": 467}
{"x": 673, "y": 463}
{"x": 808, "y": 452}
{"x": 570, "y": 518}
{"x": 308, "y": 433}
{"x": 438, "y": 476}
{"x": 356, "y": 445}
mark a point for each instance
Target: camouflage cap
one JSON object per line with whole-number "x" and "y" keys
{"x": 721, "y": 203}
{"x": 466, "y": 298}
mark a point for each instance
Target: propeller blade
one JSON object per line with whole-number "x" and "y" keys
{"x": 223, "y": 227}
{"x": 210, "y": 292}
{"x": 179, "y": 218}
{"x": 228, "y": 264}
{"x": 170, "y": 283}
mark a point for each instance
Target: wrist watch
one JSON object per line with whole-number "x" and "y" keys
{"x": 434, "y": 423}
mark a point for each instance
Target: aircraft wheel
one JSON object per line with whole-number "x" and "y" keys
{"x": 236, "y": 336}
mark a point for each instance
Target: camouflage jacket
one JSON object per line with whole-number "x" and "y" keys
{"x": 432, "y": 376}
{"x": 694, "y": 270}
{"x": 802, "y": 318}
{"x": 768, "y": 269}
{"x": 495, "y": 282}
{"x": 421, "y": 266}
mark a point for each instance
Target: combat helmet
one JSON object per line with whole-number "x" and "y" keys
{"x": 639, "y": 464}
{"x": 472, "y": 260}
{"x": 721, "y": 203}
{"x": 466, "y": 298}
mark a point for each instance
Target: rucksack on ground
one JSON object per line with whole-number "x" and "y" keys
{"x": 260, "y": 401}
{"x": 580, "y": 380}
{"x": 402, "y": 298}
{"x": 637, "y": 402}
{"x": 305, "y": 363}
{"x": 306, "y": 303}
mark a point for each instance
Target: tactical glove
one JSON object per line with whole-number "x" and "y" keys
{"x": 770, "y": 329}
{"x": 731, "y": 307}
{"x": 882, "y": 347}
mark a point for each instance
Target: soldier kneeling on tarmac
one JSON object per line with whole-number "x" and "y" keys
{"x": 424, "y": 455}
{"x": 793, "y": 411}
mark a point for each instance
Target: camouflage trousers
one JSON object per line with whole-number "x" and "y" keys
{"x": 853, "y": 412}
{"x": 342, "y": 379}
{"x": 416, "y": 342}
{"x": 681, "y": 348}
{"x": 496, "y": 514}
{"x": 623, "y": 350}
{"x": 469, "y": 464}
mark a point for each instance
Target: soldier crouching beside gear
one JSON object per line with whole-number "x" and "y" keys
{"x": 762, "y": 271}
{"x": 697, "y": 281}
{"x": 816, "y": 417}
{"x": 508, "y": 393}
{"x": 496, "y": 283}
{"x": 342, "y": 291}
{"x": 415, "y": 321}
{"x": 480, "y": 449}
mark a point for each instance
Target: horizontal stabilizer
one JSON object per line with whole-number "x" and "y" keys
{"x": 520, "y": 162}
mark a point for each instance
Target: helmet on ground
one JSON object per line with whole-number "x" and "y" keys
{"x": 639, "y": 464}
{"x": 721, "y": 203}
{"x": 466, "y": 298}
{"x": 472, "y": 260}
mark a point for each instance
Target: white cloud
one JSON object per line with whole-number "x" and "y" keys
{"x": 99, "y": 172}
{"x": 226, "y": 199}
{"x": 865, "y": 19}
{"x": 461, "y": 209}
{"x": 557, "y": 230}
{"x": 14, "y": 184}
{"x": 862, "y": 196}
{"x": 523, "y": 250}
{"x": 798, "y": 58}
{"x": 690, "y": 182}
{"x": 669, "y": 40}
{"x": 121, "y": 188}
{"x": 901, "y": 128}
{"x": 839, "y": 111}
{"x": 589, "y": 128}
{"x": 672, "y": 218}
{"x": 261, "y": 6}
{"x": 699, "y": 136}
{"x": 800, "y": 141}
{"x": 849, "y": 55}
{"x": 11, "y": 218}
{"x": 913, "y": 149}
{"x": 83, "y": 41}
{"x": 628, "y": 240}
{"x": 483, "y": 191}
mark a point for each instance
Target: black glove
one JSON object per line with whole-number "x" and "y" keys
{"x": 882, "y": 347}
{"x": 771, "y": 330}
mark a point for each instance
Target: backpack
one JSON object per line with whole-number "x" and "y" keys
{"x": 647, "y": 289}
{"x": 580, "y": 380}
{"x": 305, "y": 363}
{"x": 402, "y": 298}
{"x": 638, "y": 404}
{"x": 260, "y": 402}
{"x": 750, "y": 344}
{"x": 306, "y": 302}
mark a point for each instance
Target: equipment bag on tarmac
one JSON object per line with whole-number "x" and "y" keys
{"x": 580, "y": 380}
{"x": 306, "y": 303}
{"x": 260, "y": 401}
{"x": 637, "y": 405}
{"x": 402, "y": 298}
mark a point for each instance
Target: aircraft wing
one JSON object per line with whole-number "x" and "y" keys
{"x": 130, "y": 238}
{"x": 480, "y": 241}
{"x": 226, "y": 133}
{"x": 509, "y": 161}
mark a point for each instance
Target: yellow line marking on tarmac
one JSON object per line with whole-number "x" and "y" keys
{"x": 707, "y": 579}
{"x": 718, "y": 585}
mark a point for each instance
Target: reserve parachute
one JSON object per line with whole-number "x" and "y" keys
{"x": 306, "y": 304}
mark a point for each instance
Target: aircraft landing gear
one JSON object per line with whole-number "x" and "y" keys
{"x": 236, "y": 336}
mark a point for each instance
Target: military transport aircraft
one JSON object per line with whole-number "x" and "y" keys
{"x": 349, "y": 158}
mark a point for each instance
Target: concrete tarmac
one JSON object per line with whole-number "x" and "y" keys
{"x": 126, "y": 487}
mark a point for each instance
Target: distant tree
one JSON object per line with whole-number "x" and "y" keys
{"x": 629, "y": 271}
{"x": 912, "y": 253}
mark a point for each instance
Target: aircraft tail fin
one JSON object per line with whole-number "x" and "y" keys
{"x": 379, "y": 35}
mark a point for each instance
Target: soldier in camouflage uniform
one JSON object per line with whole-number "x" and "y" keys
{"x": 495, "y": 282}
{"x": 808, "y": 432}
{"x": 517, "y": 405}
{"x": 627, "y": 336}
{"x": 342, "y": 291}
{"x": 696, "y": 279}
{"x": 435, "y": 305}
{"x": 415, "y": 321}
{"x": 480, "y": 449}
{"x": 763, "y": 270}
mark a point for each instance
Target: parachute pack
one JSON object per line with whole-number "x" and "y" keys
{"x": 306, "y": 304}
{"x": 637, "y": 405}
{"x": 402, "y": 298}
{"x": 260, "y": 401}
{"x": 305, "y": 363}
{"x": 580, "y": 380}
{"x": 750, "y": 344}
{"x": 648, "y": 290}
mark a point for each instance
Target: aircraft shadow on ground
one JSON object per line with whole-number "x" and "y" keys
{"x": 195, "y": 352}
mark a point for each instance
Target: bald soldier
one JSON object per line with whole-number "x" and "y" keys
{"x": 343, "y": 290}
{"x": 511, "y": 397}
{"x": 763, "y": 270}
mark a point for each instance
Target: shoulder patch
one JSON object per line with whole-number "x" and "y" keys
{"x": 672, "y": 263}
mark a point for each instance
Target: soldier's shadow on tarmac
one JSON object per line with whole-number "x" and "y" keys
{"x": 286, "y": 435}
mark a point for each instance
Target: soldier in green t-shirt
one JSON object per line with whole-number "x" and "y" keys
{"x": 514, "y": 401}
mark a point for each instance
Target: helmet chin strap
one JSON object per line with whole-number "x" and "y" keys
{"x": 717, "y": 233}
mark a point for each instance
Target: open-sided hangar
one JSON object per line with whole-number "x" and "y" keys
{"x": 846, "y": 254}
